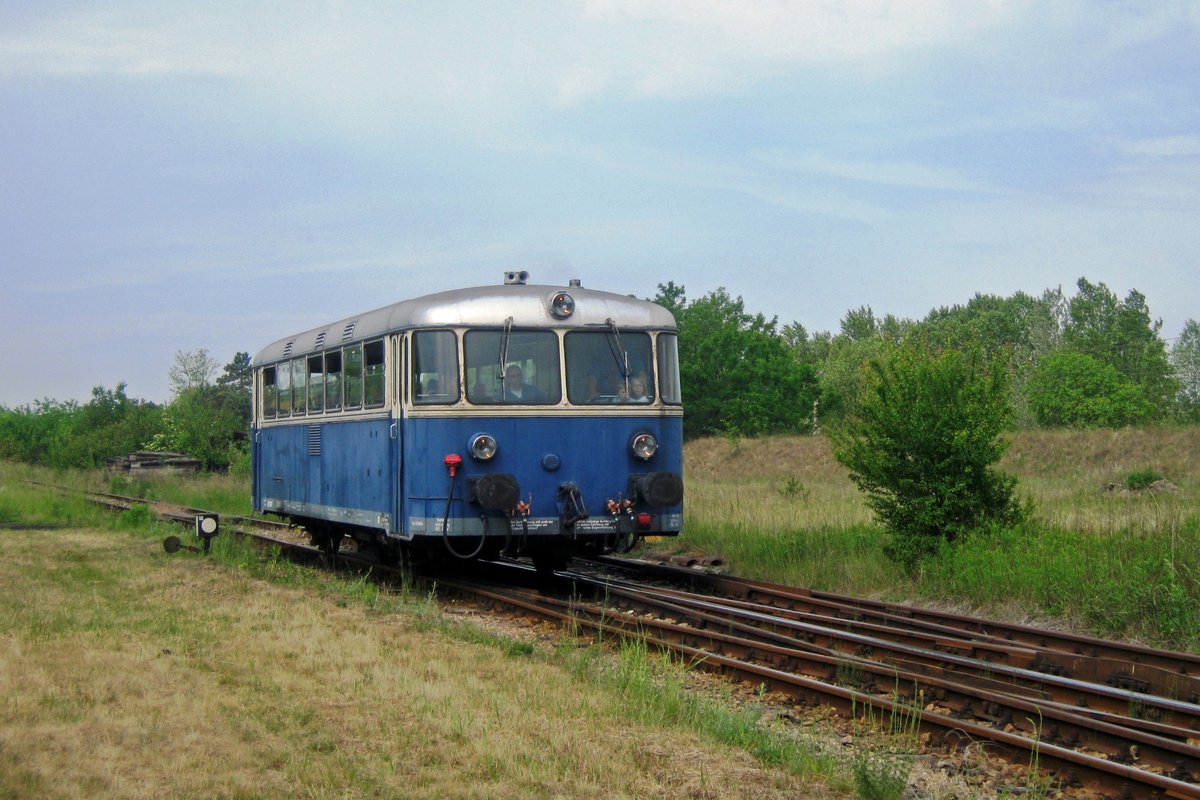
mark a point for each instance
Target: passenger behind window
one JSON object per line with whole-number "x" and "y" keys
{"x": 480, "y": 392}
{"x": 516, "y": 390}
{"x": 604, "y": 379}
{"x": 636, "y": 393}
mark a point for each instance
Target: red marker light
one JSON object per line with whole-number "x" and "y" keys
{"x": 644, "y": 520}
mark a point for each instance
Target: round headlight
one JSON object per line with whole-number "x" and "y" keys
{"x": 644, "y": 446}
{"x": 562, "y": 305}
{"x": 483, "y": 447}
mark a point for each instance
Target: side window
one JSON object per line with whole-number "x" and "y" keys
{"x": 316, "y": 383}
{"x": 434, "y": 367}
{"x": 270, "y": 392}
{"x": 352, "y": 362}
{"x": 668, "y": 368}
{"x": 299, "y": 398}
{"x": 333, "y": 380}
{"x": 373, "y": 382}
{"x": 529, "y": 375}
{"x": 283, "y": 380}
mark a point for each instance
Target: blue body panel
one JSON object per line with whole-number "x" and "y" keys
{"x": 342, "y": 471}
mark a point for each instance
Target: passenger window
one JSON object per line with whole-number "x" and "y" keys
{"x": 529, "y": 374}
{"x": 270, "y": 392}
{"x": 609, "y": 367}
{"x": 299, "y": 398}
{"x": 333, "y": 380}
{"x": 353, "y": 361}
{"x": 373, "y": 374}
{"x": 316, "y": 383}
{"x": 283, "y": 380}
{"x": 668, "y": 368}
{"x": 435, "y": 367}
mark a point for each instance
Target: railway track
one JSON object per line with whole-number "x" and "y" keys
{"x": 1119, "y": 719}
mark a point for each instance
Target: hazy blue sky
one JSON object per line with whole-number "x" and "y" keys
{"x": 184, "y": 175}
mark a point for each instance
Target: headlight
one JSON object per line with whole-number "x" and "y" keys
{"x": 562, "y": 305}
{"x": 644, "y": 446}
{"x": 483, "y": 447}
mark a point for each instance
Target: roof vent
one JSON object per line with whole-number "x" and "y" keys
{"x": 348, "y": 331}
{"x": 321, "y": 339}
{"x": 575, "y": 283}
{"x": 516, "y": 278}
{"x": 287, "y": 348}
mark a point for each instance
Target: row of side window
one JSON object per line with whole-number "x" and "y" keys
{"x": 344, "y": 379}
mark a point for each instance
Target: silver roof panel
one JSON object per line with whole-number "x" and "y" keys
{"x": 529, "y": 306}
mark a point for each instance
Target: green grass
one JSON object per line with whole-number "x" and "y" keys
{"x": 651, "y": 691}
{"x": 655, "y": 691}
{"x": 1141, "y": 586}
{"x": 784, "y": 510}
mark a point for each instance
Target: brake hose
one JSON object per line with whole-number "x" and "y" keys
{"x": 446, "y": 525}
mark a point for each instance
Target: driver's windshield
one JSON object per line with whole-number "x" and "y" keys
{"x": 516, "y": 367}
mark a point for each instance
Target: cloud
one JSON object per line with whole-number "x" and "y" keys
{"x": 810, "y": 31}
{"x": 908, "y": 175}
{"x": 556, "y": 53}
{"x": 1163, "y": 146}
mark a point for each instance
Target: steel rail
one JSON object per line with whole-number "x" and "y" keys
{"x": 1139, "y": 656}
{"x": 891, "y": 650}
{"x": 987, "y": 700}
{"x": 1071, "y": 766}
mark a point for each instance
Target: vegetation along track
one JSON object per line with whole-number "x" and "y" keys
{"x": 1120, "y": 719}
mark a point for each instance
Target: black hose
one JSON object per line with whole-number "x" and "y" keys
{"x": 446, "y": 528}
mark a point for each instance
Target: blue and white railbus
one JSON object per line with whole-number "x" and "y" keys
{"x": 541, "y": 421}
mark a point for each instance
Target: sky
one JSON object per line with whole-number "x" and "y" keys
{"x": 218, "y": 175}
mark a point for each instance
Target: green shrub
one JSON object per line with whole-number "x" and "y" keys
{"x": 1141, "y": 479}
{"x": 924, "y": 447}
{"x": 1075, "y": 390}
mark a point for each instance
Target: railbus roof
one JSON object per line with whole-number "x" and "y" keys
{"x": 528, "y": 305}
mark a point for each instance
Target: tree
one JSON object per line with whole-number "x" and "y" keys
{"x": 924, "y": 445}
{"x": 109, "y": 425}
{"x": 235, "y": 385}
{"x": 1020, "y": 330}
{"x": 196, "y": 423}
{"x": 860, "y": 324}
{"x": 1122, "y": 335}
{"x": 238, "y": 373}
{"x": 739, "y": 375}
{"x": 1185, "y": 359}
{"x": 192, "y": 369}
{"x": 68, "y": 435}
{"x": 1073, "y": 389}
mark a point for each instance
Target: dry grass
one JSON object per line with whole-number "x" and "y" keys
{"x": 1066, "y": 473}
{"x": 796, "y": 482}
{"x": 129, "y": 673}
{"x": 768, "y": 483}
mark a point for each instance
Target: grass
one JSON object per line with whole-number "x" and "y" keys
{"x": 782, "y": 509}
{"x": 139, "y": 674}
{"x": 132, "y": 672}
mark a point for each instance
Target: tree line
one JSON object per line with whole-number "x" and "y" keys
{"x": 207, "y": 418}
{"x": 1085, "y": 360}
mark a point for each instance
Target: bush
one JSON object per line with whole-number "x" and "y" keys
{"x": 1075, "y": 390}
{"x": 1141, "y": 479}
{"x": 924, "y": 446}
